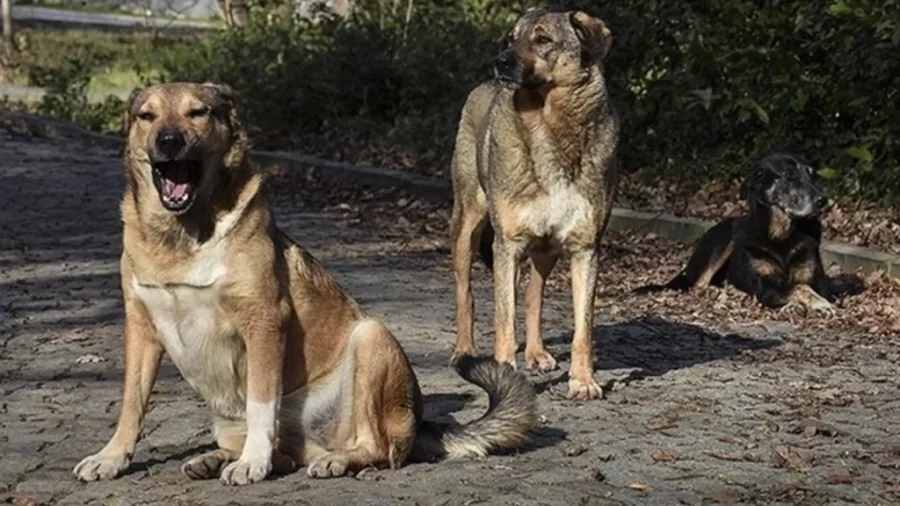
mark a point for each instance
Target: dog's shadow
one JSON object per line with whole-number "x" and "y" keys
{"x": 652, "y": 346}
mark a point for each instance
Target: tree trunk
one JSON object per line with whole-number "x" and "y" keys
{"x": 238, "y": 12}
{"x": 8, "y": 37}
{"x": 234, "y": 12}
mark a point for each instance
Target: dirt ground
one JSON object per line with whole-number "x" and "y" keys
{"x": 708, "y": 399}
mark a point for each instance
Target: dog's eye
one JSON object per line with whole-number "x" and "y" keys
{"x": 542, "y": 40}
{"x": 198, "y": 112}
{"x": 146, "y": 116}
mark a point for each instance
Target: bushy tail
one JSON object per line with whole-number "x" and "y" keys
{"x": 511, "y": 414}
{"x": 680, "y": 282}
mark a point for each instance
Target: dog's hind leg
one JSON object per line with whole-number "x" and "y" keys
{"x": 711, "y": 255}
{"x": 465, "y": 229}
{"x": 713, "y": 271}
{"x": 585, "y": 265}
{"x": 536, "y": 356}
{"x": 377, "y": 420}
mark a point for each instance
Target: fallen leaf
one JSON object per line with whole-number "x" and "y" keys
{"x": 738, "y": 456}
{"x": 784, "y": 456}
{"x": 642, "y": 487}
{"x": 575, "y": 450}
{"x": 812, "y": 427}
{"x": 664, "y": 455}
{"x": 726, "y": 496}
{"x": 661, "y": 423}
{"x": 843, "y": 479}
{"x": 22, "y": 501}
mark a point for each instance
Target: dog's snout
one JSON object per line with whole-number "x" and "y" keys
{"x": 822, "y": 202}
{"x": 170, "y": 142}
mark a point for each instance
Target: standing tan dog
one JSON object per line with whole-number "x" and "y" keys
{"x": 294, "y": 371}
{"x": 535, "y": 170}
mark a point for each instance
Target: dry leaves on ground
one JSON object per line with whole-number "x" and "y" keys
{"x": 786, "y": 457}
{"x": 664, "y": 455}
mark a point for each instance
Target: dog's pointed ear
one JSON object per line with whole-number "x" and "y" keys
{"x": 755, "y": 179}
{"x": 222, "y": 92}
{"x": 593, "y": 33}
{"x": 130, "y": 104}
{"x": 227, "y": 102}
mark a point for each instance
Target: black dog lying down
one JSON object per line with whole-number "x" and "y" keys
{"x": 771, "y": 253}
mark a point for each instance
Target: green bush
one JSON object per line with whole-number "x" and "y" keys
{"x": 703, "y": 88}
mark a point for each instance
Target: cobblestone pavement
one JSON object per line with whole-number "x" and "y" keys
{"x": 742, "y": 413}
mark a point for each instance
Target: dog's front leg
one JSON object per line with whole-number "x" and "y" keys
{"x": 506, "y": 257}
{"x": 142, "y": 356}
{"x": 263, "y": 329}
{"x": 585, "y": 265}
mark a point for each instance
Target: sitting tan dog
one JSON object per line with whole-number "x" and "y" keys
{"x": 294, "y": 370}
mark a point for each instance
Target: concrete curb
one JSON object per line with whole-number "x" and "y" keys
{"x": 687, "y": 230}
{"x": 110, "y": 21}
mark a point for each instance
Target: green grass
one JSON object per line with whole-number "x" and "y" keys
{"x": 116, "y": 62}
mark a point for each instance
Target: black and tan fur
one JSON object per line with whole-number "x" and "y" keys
{"x": 534, "y": 171}
{"x": 295, "y": 372}
{"x": 771, "y": 253}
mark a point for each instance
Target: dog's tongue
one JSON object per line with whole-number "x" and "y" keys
{"x": 175, "y": 182}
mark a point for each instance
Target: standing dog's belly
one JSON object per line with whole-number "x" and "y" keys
{"x": 200, "y": 340}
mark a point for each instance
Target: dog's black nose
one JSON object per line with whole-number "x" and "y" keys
{"x": 170, "y": 142}
{"x": 822, "y": 202}
{"x": 506, "y": 63}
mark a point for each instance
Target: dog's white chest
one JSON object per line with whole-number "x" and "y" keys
{"x": 561, "y": 210}
{"x": 198, "y": 335}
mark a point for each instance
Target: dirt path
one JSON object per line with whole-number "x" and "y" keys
{"x": 748, "y": 413}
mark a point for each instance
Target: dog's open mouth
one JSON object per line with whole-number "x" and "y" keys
{"x": 176, "y": 181}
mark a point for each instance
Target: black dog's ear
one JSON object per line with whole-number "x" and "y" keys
{"x": 756, "y": 179}
{"x": 593, "y": 34}
{"x": 130, "y": 104}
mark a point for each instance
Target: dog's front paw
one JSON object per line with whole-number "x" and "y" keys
{"x": 822, "y": 307}
{"x": 101, "y": 466}
{"x": 792, "y": 307}
{"x": 206, "y": 466}
{"x": 331, "y": 465}
{"x": 244, "y": 472}
{"x": 584, "y": 390}
{"x": 541, "y": 361}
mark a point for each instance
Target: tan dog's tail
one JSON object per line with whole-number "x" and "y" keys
{"x": 511, "y": 414}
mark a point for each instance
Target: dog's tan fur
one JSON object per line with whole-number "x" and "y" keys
{"x": 535, "y": 167}
{"x": 294, "y": 370}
